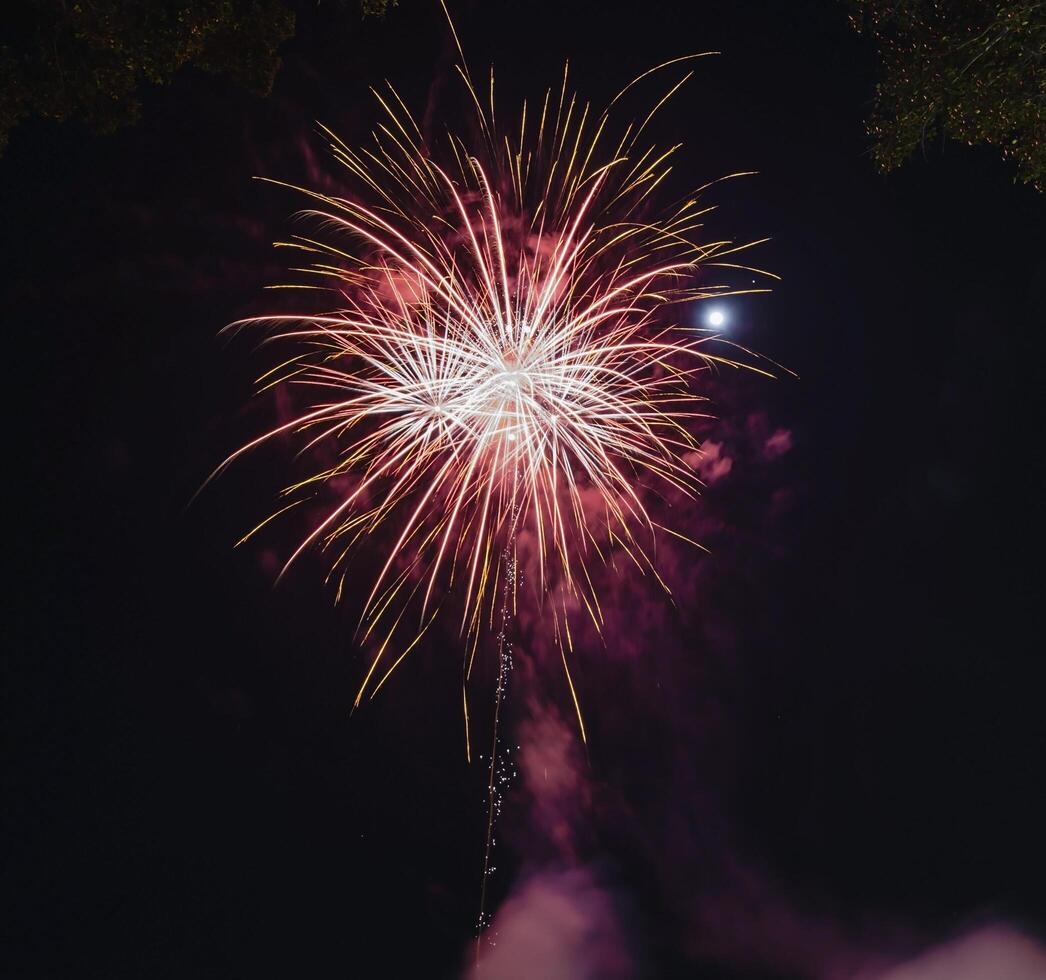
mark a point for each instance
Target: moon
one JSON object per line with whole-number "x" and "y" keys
{"x": 716, "y": 318}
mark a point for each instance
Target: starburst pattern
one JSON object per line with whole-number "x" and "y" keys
{"x": 503, "y": 360}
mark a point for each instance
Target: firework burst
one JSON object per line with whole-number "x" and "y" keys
{"x": 500, "y": 353}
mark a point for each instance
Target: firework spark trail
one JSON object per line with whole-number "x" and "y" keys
{"x": 494, "y": 796}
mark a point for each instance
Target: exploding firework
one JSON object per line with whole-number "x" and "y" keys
{"x": 500, "y": 360}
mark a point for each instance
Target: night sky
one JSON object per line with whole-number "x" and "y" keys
{"x": 828, "y": 758}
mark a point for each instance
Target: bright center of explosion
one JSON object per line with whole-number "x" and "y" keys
{"x": 513, "y": 378}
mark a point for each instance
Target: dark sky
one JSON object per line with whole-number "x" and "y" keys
{"x": 838, "y": 751}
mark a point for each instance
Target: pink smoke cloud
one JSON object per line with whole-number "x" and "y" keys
{"x": 778, "y": 444}
{"x": 561, "y": 920}
{"x": 558, "y": 925}
{"x": 553, "y": 777}
{"x": 712, "y": 463}
{"x": 992, "y": 952}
